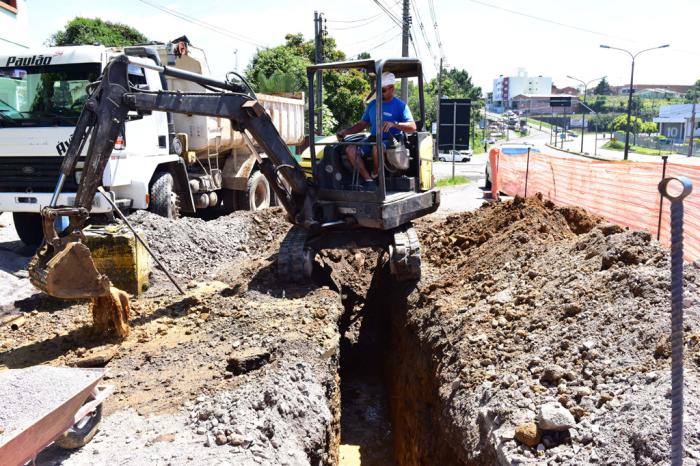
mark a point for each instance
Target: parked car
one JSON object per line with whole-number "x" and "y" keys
{"x": 489, "y": 140}
{"x": 509, "y": 148}
{"x": 456, "y": 155}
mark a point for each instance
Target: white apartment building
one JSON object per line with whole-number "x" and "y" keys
{"x": 14, "y": 25}
{"x": 507, "y": 87}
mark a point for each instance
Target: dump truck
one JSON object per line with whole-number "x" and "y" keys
{"x": 167, "y": 163}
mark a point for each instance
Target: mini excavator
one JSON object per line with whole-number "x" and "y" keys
{"x": 327, "y": 208}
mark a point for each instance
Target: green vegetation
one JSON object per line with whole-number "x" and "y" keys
{"x": 80, "y": 31}
{"x": 614, "y": 144}
{"x": 457, "y": 180}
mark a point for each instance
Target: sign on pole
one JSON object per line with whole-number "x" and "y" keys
{"x": 453, "y": 133}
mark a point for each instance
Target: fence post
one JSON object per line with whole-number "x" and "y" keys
{"x": 493, "y": 161}
{"x": 527, "y": 170}
{"x": 661, "y": 202}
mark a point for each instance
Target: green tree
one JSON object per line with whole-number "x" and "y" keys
{"x": 79, "y": 31}
{"x": 693, "y": 94}
{"x": 620, "y": 124}
{"x": 603, "y": 88}
{"x": 343, "y": 90}
{"x": 648, "y": 127}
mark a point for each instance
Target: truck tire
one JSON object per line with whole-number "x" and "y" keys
{"x": 164, "y": 200}
{"x": 487, "y": 183}
{"x": 28, "y": 227}
{"x": 257, "y": 195}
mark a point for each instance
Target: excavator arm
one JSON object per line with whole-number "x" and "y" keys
{"x": 63, "y": 266}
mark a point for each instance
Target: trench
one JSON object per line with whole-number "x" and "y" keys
{"x": 390, "y": 409}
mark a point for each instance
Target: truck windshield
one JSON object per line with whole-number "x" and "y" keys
{"x": 40, "y": 96}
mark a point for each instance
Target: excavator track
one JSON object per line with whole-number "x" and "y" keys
{"x": 404, "y": 255}
{"x": 295, "y": 259}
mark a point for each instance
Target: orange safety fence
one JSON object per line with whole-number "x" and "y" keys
{"x": 625, "y": 193}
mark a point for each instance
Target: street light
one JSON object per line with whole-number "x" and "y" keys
{"x": 583, "y": 115}
{"x": 631, "y": 91}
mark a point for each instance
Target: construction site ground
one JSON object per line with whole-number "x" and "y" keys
{"x": 537, "y": 335}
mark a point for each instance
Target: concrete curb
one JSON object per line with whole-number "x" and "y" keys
{"x": 582, "y": 154}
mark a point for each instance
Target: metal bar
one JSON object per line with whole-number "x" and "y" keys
{"x": 119, "y": 213}
{"x": 99, "y": 394}
{"x": 527, "y": 170}
{"x": 676, "y": 314}
{"x": 454, "y": 135}
{"x": 661, "y": 202}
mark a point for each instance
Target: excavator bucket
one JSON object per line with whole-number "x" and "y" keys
{"x": 63, "y": 266}
{"x": 68, "y": 274}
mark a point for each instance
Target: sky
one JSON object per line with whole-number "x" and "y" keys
{"x": 487, "y": 38}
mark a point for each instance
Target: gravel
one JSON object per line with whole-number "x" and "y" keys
{"x": 27, "y": 395}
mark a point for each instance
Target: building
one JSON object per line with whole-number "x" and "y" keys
{"x": 538, "y": 104}
{"x": 14, "y": 25}
{"x": 674, "y": 88}
{"x": 675, "y": 121}
{"x": 507, "y": 87}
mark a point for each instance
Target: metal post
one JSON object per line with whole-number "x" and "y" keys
{"x": 404, "y": 47}
{"x": 439, "y": 99}
{"x": 629, "y": 113}
{"x": 527, "y": 170}
{"x": 661, "y": 201}
{"x": 583, "y": 117}
{"x": 454, "y": 136}
{"x": 318, "y": 33}
{"x": 692, "y": 129}
{"x": 676, "y": 314}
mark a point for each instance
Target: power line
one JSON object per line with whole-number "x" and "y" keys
{"x": 435, "y": 27}
{"x": 355, "y": 26}
{"x": 354, "y": 20}
{"x": 376, "y": 46}
{"x": 198, "y": 22}
{"x": 391, "y": 15}
{"x": 423, "y": 34}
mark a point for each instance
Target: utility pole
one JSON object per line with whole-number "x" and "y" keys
{"x": 404, "y": 47}
{"x": 692, "y": 128}
{"x": 437, "y": 126}
{"x": 319, "y": 31}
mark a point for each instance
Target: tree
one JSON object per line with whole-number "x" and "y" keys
{"x": 693, "y": 94}
{"x": 603, "y": 88}
{"x": 79, "y": 31}
{"x": 343, "y": 90}
{"x": 620, "y": 124}
{"x": 648, "y": 127}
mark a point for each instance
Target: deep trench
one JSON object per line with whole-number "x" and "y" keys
{"x": 390, "y": 410}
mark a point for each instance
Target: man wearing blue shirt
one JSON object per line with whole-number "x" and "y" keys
{"x": 396, "y": 117}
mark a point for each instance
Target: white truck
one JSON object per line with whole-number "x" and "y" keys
{"x": 161, "y": 162}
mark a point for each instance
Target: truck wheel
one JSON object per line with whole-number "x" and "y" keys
{"x": 164, "y": 200}
{"x": 258, "y": 195}
{"x": 487, "y": 184}
{"x": 28, "y": 227}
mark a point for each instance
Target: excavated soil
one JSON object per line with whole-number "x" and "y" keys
{"x": 524, "y": 303}
{"x": 521, "y": 304}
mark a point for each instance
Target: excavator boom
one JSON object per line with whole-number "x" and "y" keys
{"x": 63, "y": 266}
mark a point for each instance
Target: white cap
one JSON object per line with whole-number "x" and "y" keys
{"x": 388, "y": 79}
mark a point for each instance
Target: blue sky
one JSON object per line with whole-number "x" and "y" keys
{"x": 546, "y": 37}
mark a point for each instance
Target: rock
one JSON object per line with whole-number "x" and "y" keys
{"x": 553, "y": 416}
{"x": 583, "y": 391}
{"x": 528, "y": 434}
{"x": 552, "y": 374}
{"x": 246, "y": 360}
{"x": 221, "y": 439}
{"x": 236, "y": 440}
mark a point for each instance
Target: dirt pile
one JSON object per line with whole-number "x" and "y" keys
{"x": 192, "y": 248}
{"x": 524, "y": 305}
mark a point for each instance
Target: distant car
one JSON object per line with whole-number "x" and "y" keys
{"x": 509, "y": 148}
{"x": 490, "y": 140}
{"x": 456, "y": 155}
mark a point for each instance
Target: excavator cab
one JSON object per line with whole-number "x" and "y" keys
{"x": 326, "y": 211}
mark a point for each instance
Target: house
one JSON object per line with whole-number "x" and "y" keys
{"x": 505, "y": 88}
{"x": 533, "y": 104}
{"x": 565, "y": 90}
{"x": 680, "y": 89}
{"x": 14, "y": 25}
{"x": 675, "y": 121}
